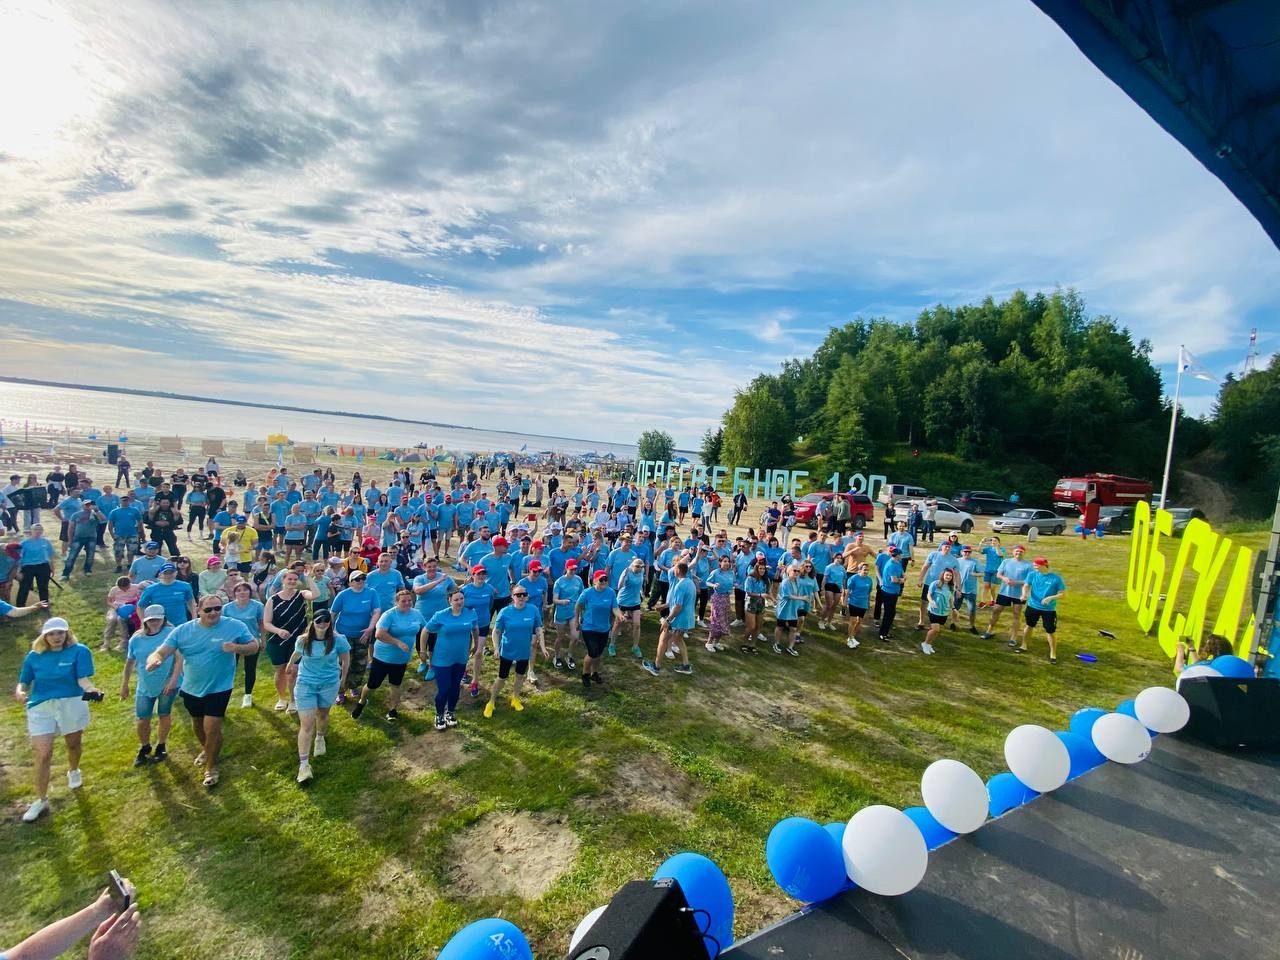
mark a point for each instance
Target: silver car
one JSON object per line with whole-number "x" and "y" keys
{"x": 1024, "y": 518}
{"x": 948, "y": 517}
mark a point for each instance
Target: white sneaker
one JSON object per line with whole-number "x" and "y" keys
{"x": 711, "y": 647}
{"x": 304, "y": 772}
{"x": 738, "y": 623}
{"x": 671, "y": 654}
{"x": 74, "y": 779}
{"x": 852, "y": 643}
{"x": 927, "y": 648}
{"x": 246, "y": 700}
{"x": 280, "y": 704}
{"x": 675, "y": 647}
{"x": 702, "y": 623}
{"x": 292, "y": 709}
{"x": 761, "y": 638}
{"x": 530, "y": 677}
{"x": 34, "y": 811}
{"x": 319, "y": 749}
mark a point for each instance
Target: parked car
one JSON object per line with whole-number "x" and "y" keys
{"x": 979, "y": 502}
{"x": 861, "y": 510}
{"x": 948, "y": 517}
{"x": 1184, "y": 515}
{"x": 1024, "y": 518}
{"x": 902, "y": 491}
{"x": 1116, "y": 519}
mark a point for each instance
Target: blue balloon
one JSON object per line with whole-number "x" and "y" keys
{"x": 1232, "y": 666}
{"x": 1082, "y": 722}
{"x": 125, "y": 611}
{"x": 1005, "y": 792}
{"x": 705, "y": 888}
{"x": 934, "y": 833}
{"x": 805, "y": 861}
{"x": 1084, "y": 755}
{"x": 836, "y": 830}
{"x": 491, "y": 939}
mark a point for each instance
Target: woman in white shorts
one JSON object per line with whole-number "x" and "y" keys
{"x": 320, "y": 661}
{"x": 53, "y": 683}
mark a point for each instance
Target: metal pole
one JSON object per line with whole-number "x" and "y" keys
{"x": 1173, "y": 426}
{"x": 1265, "y": 613}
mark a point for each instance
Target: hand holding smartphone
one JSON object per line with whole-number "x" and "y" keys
{"x": 120, "y": 889}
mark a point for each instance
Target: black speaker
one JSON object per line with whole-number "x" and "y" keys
{"x": 647, "y": 919}
{"x": 113, "y": 453}
{"x": 1227, "y": 712}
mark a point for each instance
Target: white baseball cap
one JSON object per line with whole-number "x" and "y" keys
{"x": 54, "y": 623}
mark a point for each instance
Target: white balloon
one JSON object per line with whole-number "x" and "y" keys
{"x": 955, "y": 795}
{"x": 1199, "y": 670}
{"x": 1162, "y": 709}
{"x": 584, "y": 927}
{"x": 1121, "y": 738}
{"x": 1037, "y": 757}
{"x": 884, "y": 851}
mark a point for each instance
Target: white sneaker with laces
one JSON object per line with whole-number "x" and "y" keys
{"x": 319, "y": 749}
{"x": 246, "y": 700}
{"x": 34, "y": 811}
{"x": 852, "y": 643}
{"x": 738, "y": 623}
{"x": 292, "y": 709}
{"x": 711, "y": 647}
{"x": 927, "y": 648}
{"x": 304, "y": 772}
{"x": 701, "y": 623}
{"x": 74, "y": 779}
{"x": 671, "y": 654}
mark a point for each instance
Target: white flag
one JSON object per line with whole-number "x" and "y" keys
{"x": 1189, "y": 364}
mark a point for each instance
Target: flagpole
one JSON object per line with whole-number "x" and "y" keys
{"x": 1173, "y": 426}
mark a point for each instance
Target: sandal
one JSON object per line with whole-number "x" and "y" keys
{"x": 745, "y": 648}
{"x": 1053, "y": 660}
{"x": 211, "y": 779}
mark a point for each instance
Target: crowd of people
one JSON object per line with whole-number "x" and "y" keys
{"x": 344, "y": 587}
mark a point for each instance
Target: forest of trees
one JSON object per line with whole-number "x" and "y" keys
{"x": 1030, "y": 377}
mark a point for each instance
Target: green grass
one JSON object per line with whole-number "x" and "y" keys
{"x": 363, "y": 862}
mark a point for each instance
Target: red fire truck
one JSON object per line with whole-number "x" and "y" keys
{"x": 1072, "y": 493}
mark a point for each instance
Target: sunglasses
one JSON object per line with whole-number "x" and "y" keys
{"x": 519, "y": 594}
{"x": 211, "y": 609}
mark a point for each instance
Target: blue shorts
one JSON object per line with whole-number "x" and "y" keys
{"x": 970, "y": 600}
{"x": 279, "y": 531}
{"x": 310, "y": 695}
{"x": 144, "y": 707}
{"x": 990, "y": 577}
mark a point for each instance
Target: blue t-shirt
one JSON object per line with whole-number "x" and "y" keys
{"x": 479, "y": 600}
{"x": 499, "y": 568}
{"x": 385, "y": 586}
{"x": 35, "y": 550}
{"x": 904, "y": 543}
{"x": 279, "y": 510}
{"x": 630, "y": 587}
{"x": 250, "y": 615}
{"x": 566, "y": 587}
{"x": 206, "y": 667}
{"x": 435, "y": 599}
{"x": 517, "y": 628}
{"x": 537, "y": 589}
{"x": 789, "y": 604}
{"x": 684, "y": 593}
{"x": 124, "y": 521}
{"x": 55, "y": 674}
{"x": 146, "y": 568}
{"x": 1015, "y": 570}
{"x": 174, "y": 597}
{"x": 317, "y": 667}
{"x": 453, "y": 636}
{"x": 967, "y": 575}
{"x": 720, "y": 581}
{"x": 819, "y": 553}
{"x": 597, "y": 608}
{"x": 141, "y": 646}
{"x": 892, "y": 569}
{"x": 1041, "y": 585}
{"x": 754, "y": 586}
{"x": 833, "y": 575}
{"x": 295, "y": 527}
{"x": 404, "y": 627}
{"x": 941, "y": 598}
{"x": 858, "y": 590}
{"x": 351, "y": 610}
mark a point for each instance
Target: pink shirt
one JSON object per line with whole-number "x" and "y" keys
{"x": 130, "y": 594}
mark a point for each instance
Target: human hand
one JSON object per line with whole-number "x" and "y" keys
{"x": 229, "y": 647}
{"x": 20, "y": 695}
{"x": 117, "y": 937}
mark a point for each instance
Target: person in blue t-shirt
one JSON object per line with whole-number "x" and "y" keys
{"x": 401, "y": 630}
{"x": 966, "y": 587}
{"x": 564, "y": 598}
{"x": 125, "y": 523}
{"x": 719, "y": 582}
{"x": 1041, "y": 592}
{"x": 432, "y": 589}
{"x": 176, "y": 596}
{"x": 479, "y": 594}
{"x": 992, "y": 557}
{"x": 456, "y": 635}
{"x": 857, "y": 598}
{"x": 356, "y": 611}
{"x": 833, "y": 578}
{"x": 514, "y": 630}
{"x": 53, "y": 680}
{"x": 208, "y": 647}
{"x": 1012, "y": 574}
{"x": 942, "y": 597}
{"x": 596, "y": 609}
{"x": 892, "y": 576}
{"x": 630, "y": 587}
{"x": 678, "y": 617}
{"x": 151, "y": 698}
{"x": 791, "y": 594}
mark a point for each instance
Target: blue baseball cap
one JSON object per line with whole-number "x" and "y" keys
{"x": 151, "y": 545}
{"x": 239, "y": 518}
{"x": 168, "y": 568}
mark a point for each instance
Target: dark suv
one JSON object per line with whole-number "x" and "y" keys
{"x": 980, "y": 502}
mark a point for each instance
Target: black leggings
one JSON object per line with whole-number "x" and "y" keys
{"x": 250, "y": 661}
{"x": 658, "y": 593}
{"x": 40, "y": 573}
{"x": 889, "y": 612}
{"x": 195, "y": 515}
{"x": 703, "y": 597}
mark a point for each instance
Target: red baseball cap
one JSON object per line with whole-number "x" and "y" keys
{"x": 600, "y": 575}
{"x": 536, "y": 543}
{"x": 479, "y": 568}
{"x": 570, "y": 564}
{"x": 500, "y": 542}
{"x": 1041, "y": 561}
{"x": 535, "y": 565}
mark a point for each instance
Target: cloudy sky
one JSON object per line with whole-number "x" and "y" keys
{"x": 603, "y": 214}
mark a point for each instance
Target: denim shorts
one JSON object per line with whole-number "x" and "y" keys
{"x": 315, "y": 696}
{"x": 144, "y": 707}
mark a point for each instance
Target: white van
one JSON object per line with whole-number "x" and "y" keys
{"x": 893, "y": 492}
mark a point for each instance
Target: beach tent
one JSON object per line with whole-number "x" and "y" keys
{"x": 170, "y": 444}
{"x": 413, "y": 458}
{"x": 304, "y": 454}
{"x": 255, "y": 451}
{"x": 212, "y": 448}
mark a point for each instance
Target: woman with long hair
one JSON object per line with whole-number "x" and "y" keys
{"x": 857, "y": 598}
{"x": 249, "y": 611}
{"x": 319, "y": 666}
{"x": 283, "y": 621}
{"x": 35, "y": 559}
{"x": 942, "y": 597}
{"x": 53, "y": 683}
{"x": 400, "y": 631}
{"x": 756, "y": 586}
{"x": 456, "y": 634}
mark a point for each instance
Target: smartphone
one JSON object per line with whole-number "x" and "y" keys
{"x": 119, "y": 895}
